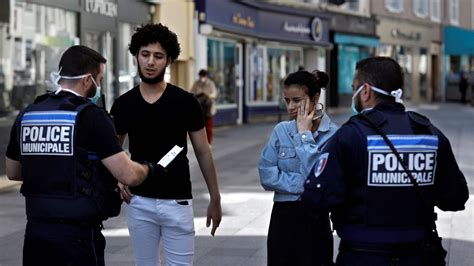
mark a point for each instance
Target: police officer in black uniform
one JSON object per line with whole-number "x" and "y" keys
{"x": 65, "y": 150}
{"x": 381, "y": 218}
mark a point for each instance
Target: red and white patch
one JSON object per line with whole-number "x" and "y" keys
{"x": 321, "y": 164}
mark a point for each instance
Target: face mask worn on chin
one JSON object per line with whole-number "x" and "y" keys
{"x": 397, "y": 94}
{"x": 56, "y": 76}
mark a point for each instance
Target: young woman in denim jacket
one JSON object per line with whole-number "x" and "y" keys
{"x": 297, "y": 235}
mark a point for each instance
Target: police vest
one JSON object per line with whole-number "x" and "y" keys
{"x": 60, "y": 178}
{"x": 381, "y": 201}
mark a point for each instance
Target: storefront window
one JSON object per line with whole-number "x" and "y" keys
{"x": 423, "y": 70}
{"x": 348, "y": 56}
{"x": 454, "y": 63}
{"x": 403, "y": 56}
{"x": 221, "y": 58}
{"x": 471, "y": 64}
{"x": 128, "y": 77}
{"x": 39, "y": 35}
{"x": 257, "y": 76}
{"x": 405, "y": 59}
{"x": 280, "y": 63}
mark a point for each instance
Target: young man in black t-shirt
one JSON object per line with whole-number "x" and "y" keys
{"x": 158, "y": 116}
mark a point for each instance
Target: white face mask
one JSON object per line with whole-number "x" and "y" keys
{"x": 353, "y": 107}
{"x": 397, "y": 94}
{"x": 56, "y": 76}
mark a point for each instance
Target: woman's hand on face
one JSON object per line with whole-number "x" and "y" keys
{"x": 304, "y": 120}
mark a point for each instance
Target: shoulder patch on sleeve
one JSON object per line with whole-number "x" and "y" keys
{"x": 321, "y": 164}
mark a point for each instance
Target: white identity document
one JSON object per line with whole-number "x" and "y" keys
{"x": 169, "y": 157}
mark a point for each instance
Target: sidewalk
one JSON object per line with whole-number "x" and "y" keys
{"x": 5, "y": 183}
{"x": 241, "y": 238}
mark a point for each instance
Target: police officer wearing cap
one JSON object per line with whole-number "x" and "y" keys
{"x": 383, "y": 216}
{"x": 65, "y": 150}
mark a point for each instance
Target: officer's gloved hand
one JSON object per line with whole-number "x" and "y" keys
{"x": 156, "y": 170}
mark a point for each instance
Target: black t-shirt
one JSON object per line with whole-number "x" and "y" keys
{"x": 154, "y": 129}
{"x": 95, "y": 132}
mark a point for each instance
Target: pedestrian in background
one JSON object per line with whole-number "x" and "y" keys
{"x": 65, "y": 150}
{"x": 205, "y": 91}
{"x": 158, "y": 116}
{"x": 382, "y": 174}
{"x": 297, "y": 236}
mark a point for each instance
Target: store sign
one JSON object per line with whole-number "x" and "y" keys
{"x": 244, "y": 21}
{"x": 353, "y": 24}
{"x": 317, "y": 29}
{"x": 404, "y": 35}
{"x": 296, "y": 28}
{"x": 401, "y": 33}
{"x": 260, "y": 21}
{"x": 101, "y": 7}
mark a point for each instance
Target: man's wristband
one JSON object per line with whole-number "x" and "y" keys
{"x": 151, "y": 169}
{"x": 155, "y": 169}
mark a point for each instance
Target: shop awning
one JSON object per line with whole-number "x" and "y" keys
{"x": 356, "y": 40}
{"x": 458, "y": 41}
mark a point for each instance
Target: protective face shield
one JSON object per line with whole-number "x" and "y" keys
{"x": 56, "y": 76}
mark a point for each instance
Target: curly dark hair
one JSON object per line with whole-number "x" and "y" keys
{"x": 155, "y": 33}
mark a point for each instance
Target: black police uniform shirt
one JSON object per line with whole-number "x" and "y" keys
{"x": 155, "y": 128}
{"x": 359, "y": 179}
{"x": 95, "y": 132}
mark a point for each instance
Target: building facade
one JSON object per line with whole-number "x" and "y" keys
{"x": 249, "y": 47}
{"x": 353, "y": 33}
{"x": 410, "y": 32}
{"x": 34, "y": 34}
{"x": 178, "y": 16}
{"x": 458, "y": 37}
{"x": 41, "y": 30}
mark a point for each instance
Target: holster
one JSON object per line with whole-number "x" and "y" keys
{"x": 432, "y": 250}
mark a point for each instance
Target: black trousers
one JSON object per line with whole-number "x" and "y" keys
{"x": 63, "y": 244}
{"x": 298, "y": 236}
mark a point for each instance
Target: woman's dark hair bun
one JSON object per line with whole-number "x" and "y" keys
{"x": 322, "y": 78}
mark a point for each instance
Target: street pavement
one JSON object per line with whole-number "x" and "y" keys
{"x": 241, "y": 237}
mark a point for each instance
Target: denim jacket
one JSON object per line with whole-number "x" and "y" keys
{"x": 289, "y": 156}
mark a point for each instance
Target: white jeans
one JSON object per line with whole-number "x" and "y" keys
{"x": 151, "y": 220}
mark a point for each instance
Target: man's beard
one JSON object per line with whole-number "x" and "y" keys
{"x": 159, "y": 78}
